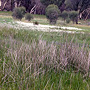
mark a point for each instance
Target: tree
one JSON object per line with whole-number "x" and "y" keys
{"x": 68, "y": 20}
{"x": 4, "y": 4}
{"x": 56, "y": 2}
{"x": 52, "y": 13}
{"x": 73, "y": 4}
{"x": 28, "y": 4}
{"x": 32, "y": 6}
{"x": 76, "y": 5}
{"x": 85, "y": 14}
{"x": 64, "y": 15}
{"x": 18, "y": 13}
{"x": 38, "y": 8}
{"x": 84, "y": 5}
{"x": 73, "y": 15}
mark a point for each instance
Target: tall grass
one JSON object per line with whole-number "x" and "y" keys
{"x": 34, "y": 65}
{"x": 64, "y": 55}
{"x": 28, "y": 62}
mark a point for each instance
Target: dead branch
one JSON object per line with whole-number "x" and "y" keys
{"x": 33, "y": 9}
{"x": 4, "y": 4}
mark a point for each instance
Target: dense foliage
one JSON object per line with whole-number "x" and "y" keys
{"x": 64, "y": 15}
{"x": 28, "y": 16}
{"x": 52, "y": 13}
{"x": 73, "y": 15}
{"x": 18, "y": 13}
{"x": 56, "y": 2}
{"x": 78, "y": 4}
{"x": 39, "y": 6}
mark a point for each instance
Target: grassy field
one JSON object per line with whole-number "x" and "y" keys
{"x": 36, "y": 60}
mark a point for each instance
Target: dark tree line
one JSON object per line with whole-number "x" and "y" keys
{"x": 56, "y": 2}
{"x": 82, "y": 6}
{"x": 78, "y": 4}
{"x": 39, "y": 6}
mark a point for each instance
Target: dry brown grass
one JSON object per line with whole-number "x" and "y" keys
{"x": 40, "y": 57}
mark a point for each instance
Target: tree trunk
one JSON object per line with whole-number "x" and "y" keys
{"x": 33, "y": 9}
{"x": 4, "y": 4}
{"x": 76, "y": 20}
{"x": 16, "y": 5}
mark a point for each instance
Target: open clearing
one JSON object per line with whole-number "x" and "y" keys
{"x": 40, "y": 27}
{"x": 46, "y": 28}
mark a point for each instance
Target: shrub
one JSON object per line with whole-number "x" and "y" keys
{"x": 64, "y": 15}
{"x": 68, "y": 20}
{"x": 18, "y": 13}
{"x": 52, "y": 13}
{"x": 73, "y": 15}
{"x": 23, "y": 10}
{"x": 28, "y": 16}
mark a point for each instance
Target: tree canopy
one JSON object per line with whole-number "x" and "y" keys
{"x": 39, "y": 6}
{"x": 78, "y": 4}
{"x": 56, "y": 2}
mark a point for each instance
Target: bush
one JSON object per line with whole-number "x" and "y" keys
{"x": 28, "y": 16}
{"x": 64, "y": 15}
{"x": 52, "y": 13}
{"x": 23, "y": 10}
{"x": 73, "y": 15}
{"x": 68, "y": 20}
{"x": 18, "y": 13}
